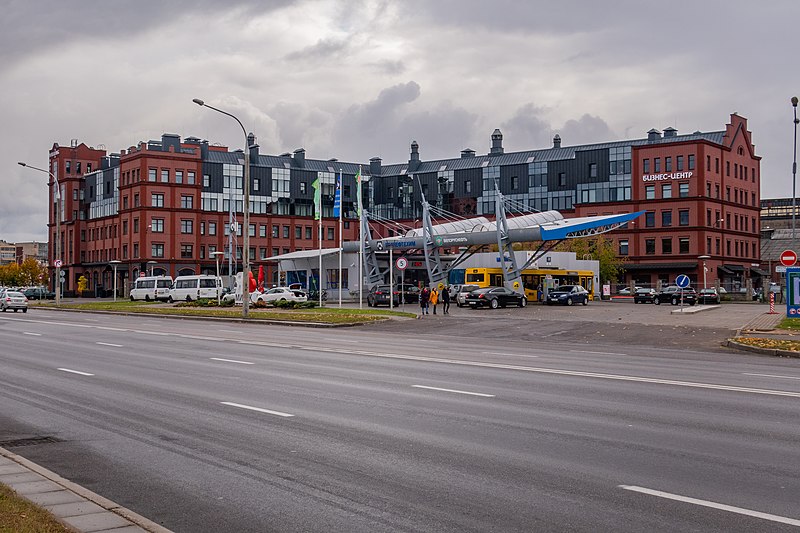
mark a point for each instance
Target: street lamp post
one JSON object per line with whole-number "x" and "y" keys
{"x": 246, "y": 230}
{"x": 794, "y": 176}
{"x": 216, "y": 259}
{"x": 115, "y": 262}
{"x": 57, "y": 252}
{"x": 705, "y": 270}
{"x": 151, "y": 263}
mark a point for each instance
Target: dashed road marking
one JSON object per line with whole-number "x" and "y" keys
{"x": 454, "y": 391}
{"x": 259, "y": 409}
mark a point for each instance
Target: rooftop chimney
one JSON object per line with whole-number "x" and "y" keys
{"x": 653, "y": 135}
{"x": 300, "y": 157}
{"x": 253, "y": 147}
{"x": 467, "y": 152}
{"x": 557, "y": 141}
{"x": 670, "y": 132}
{"x": 497, "y": 143}
{"x": 375, "y": 166}
{"x": 414, "y": 162}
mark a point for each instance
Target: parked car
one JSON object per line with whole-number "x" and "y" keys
{"x": 644, "y": 296}
{"x": 495, "y": 297}
{"x": 379, "y": 295}
{"x": 14, "y": 300}
{"x": 708, "y": 296}
{"x": 673, "y": 293}
{"x": 568, "y": 295}
{"x": 461, "y": 295}
{"x": 39, "y": 293}
{"x": 279, "y": 294}
{"x": 626, "y": 291}
{"x": 409, "y": 292}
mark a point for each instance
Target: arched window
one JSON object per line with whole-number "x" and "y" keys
{"x": 186, "y": 272}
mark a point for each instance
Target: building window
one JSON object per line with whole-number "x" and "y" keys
{"x": 262, "y": 253}
{"x": 135, "y": 250}
{"x": 666, "y": 219}
{"x": 212, "y": 228}
{"x": 136, "y": 225}
{"x": 202, "y": 228}
{"x": 708, "y": 245}
{"x": 151, "y": 174}
{"x": 666, "y": 190}
{"x": 252, "y": 253}
{"x": 728, "y": 194}
{"x": 164, "y": 175}
{"x": 467, "y": 186}
{"x": 187, "y": 227}
{"x": 679, "y": 163}
{"x": 683, "y": 190}
{"x": 708, "y": 189}
{"x": 136, "y": 200}
{"x": 716, "y": 164}
{"x": 645, "y": 166}
{"x": 331, "y": 234}
{"x": 124, "y": 230}
{"x": 190, "y": 177}
{"x": 187, "y": 202}
{"x": 667, "y": 164}
{"x": 298, "y": 232}
{"x": 179, "y": 176}
{"x": 666, "y": 245}
{"x": 251, "y": 230}
{"x": 727, "y": 168}
{"x": 308, "y": 232}
{"x": 286, "y": 232}
{"x": 562, "y": 179}
{"x": 650, "y": 219}
{"x": 157, "y": 225}
{"x": 683, "y": 217}
{"x": 186, "y": 251}
{"x": 206, "y": 181}
{"x": 256, "y": 184}
{"x": 650, "y": 192}
{"x": 515, "y": 182}
{"x": 157, "y": 199}
{"x": 262, "y": 231}
{"x": 390, "y": 193}
{"x": 275, "y": 231}
{"x": 657, "y": 164}
{"x": 650, "y": 246}
{"x": 157, "y": 249}
{"x": 708, "y": 163}
{"x": 683, "y": 245}
{"x": 303, "y": 187}
{"x": 623, "y": 247}
{"x": 716, "y": 191}
{"x": 691, "y": 161}
{"x": 592, "y": 170}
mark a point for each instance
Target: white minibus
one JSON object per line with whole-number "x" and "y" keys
{"x": 151, "y": 288}
{"x": 195, "y": 287}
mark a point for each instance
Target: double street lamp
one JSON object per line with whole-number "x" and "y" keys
{"x": 705, "y": 270}
{"x": 114, "y": 263}
{"x": 246, "y": 229}
{"x": 794, "y": 176}
{"x": 57, "y": 252}
{"x": 216, "y": 259}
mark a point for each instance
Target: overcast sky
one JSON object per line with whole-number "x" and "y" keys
{"x": 363, "y": 78}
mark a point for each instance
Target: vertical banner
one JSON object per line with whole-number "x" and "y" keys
{"x": 793, "y": 292}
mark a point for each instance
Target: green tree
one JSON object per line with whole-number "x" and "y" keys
{"x": 9, "y": 275}
{"x": 32, "y": 272}
{"x": 598, "y": 248}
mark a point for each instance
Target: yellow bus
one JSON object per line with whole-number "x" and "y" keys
{"x": 533, "y": 280}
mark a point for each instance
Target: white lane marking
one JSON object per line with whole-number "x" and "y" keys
{"x": 75, "y": 372}
{"x": 510, "y": 354}
{"x": 455, "y": 391}
{"x": 231, "y": 361}
{"x": 553, "y": 334}
{"x": 259, "y": 409}
{"x": 109, "y": 344}
{"x": 596, "y": 353}
{"x": 227, "y": 331}
{"x": 713, "y": 505}
{"x": 770, "y": 376}
{"x": 346, "y": 351}
{"x": 29, "y": 333}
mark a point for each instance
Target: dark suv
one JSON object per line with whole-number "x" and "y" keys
{"x": 672, "y": 294}
{"x": 379, "y": 295}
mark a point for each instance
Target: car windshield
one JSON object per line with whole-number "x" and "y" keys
{"x": 14, "y": 294}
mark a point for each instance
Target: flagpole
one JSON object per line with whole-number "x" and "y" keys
{"x": 319, "y": 283}
{"x": 341, "y": 237}
{"x": 360, "y": 242}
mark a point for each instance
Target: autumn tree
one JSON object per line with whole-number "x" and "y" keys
{"x": 32, "y": 272}
{"x": 598, "y": 248}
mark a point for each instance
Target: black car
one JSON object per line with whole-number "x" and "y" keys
{"x": 708, "y": 296}
{"x": 379, "y": 295}
{"x": 673, "y": 294}
{"x": 568, "y": 295}
{"x": 644, "y": 296}
{"x": 495, "y": 297}
{"x": 39, "y": 293}
{"x": 410, "y": 293}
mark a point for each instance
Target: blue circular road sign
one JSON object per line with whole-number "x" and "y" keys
{"x": 682, "y": 281}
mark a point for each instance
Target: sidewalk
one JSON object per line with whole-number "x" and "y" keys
{"x": 80, "y": 509}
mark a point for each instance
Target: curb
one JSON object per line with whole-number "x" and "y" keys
{"x": 731, "y": 343}
{"x": 133, "y": 518}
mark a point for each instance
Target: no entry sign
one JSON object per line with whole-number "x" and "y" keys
{"x": 788, "y": 258}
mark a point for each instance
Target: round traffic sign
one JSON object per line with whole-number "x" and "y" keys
{"x": 682, "y": 281}
{"x": 57, "y": 263}
{"x": 788, "y": 258}
{"x": 401, "y": 263}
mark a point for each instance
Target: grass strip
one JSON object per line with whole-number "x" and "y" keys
{"x": 18, "y": 515}
{"x": 770, "y": 344}
{"x": 789, "y": 323}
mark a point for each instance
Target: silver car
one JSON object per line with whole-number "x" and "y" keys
{"x": 462, "y": 293}
{"x": 14, "y": 300}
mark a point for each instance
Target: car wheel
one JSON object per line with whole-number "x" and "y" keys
{"x": 15, "y": 310}
{"x": 635, "y": 301}
{"x": 171, "y": 300}
{"x": 494, "y": 304}
{"x": 569, "y": 301}
{"x": 674, "y": 301}
{"x": 24, "y": 310}
{"x": 657, "y": 301}
{"x": 188, "y": 298}
{"x": 133, "y": 299}
{"x": 147, "y": 298}
{"x": 523, "y": 302}
{"x": 4, "y": 309}
{"x": 586, "y": 301}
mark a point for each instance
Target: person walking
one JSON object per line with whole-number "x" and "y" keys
{"x": 446, "y": 300}
{"x": 434, "y": 298}
{"x": 424, "y": 297}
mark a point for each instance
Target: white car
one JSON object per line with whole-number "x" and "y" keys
{"x": 280, "y": 294}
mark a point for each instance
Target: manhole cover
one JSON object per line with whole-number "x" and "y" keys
{"x": 17, "y": 443}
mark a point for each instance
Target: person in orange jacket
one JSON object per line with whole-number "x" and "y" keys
{"x": 434, "y": 298}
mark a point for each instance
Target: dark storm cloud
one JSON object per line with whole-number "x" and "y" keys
{"x": 29, "y": 26}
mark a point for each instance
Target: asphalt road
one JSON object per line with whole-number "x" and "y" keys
{"x": 424, "y": 425}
